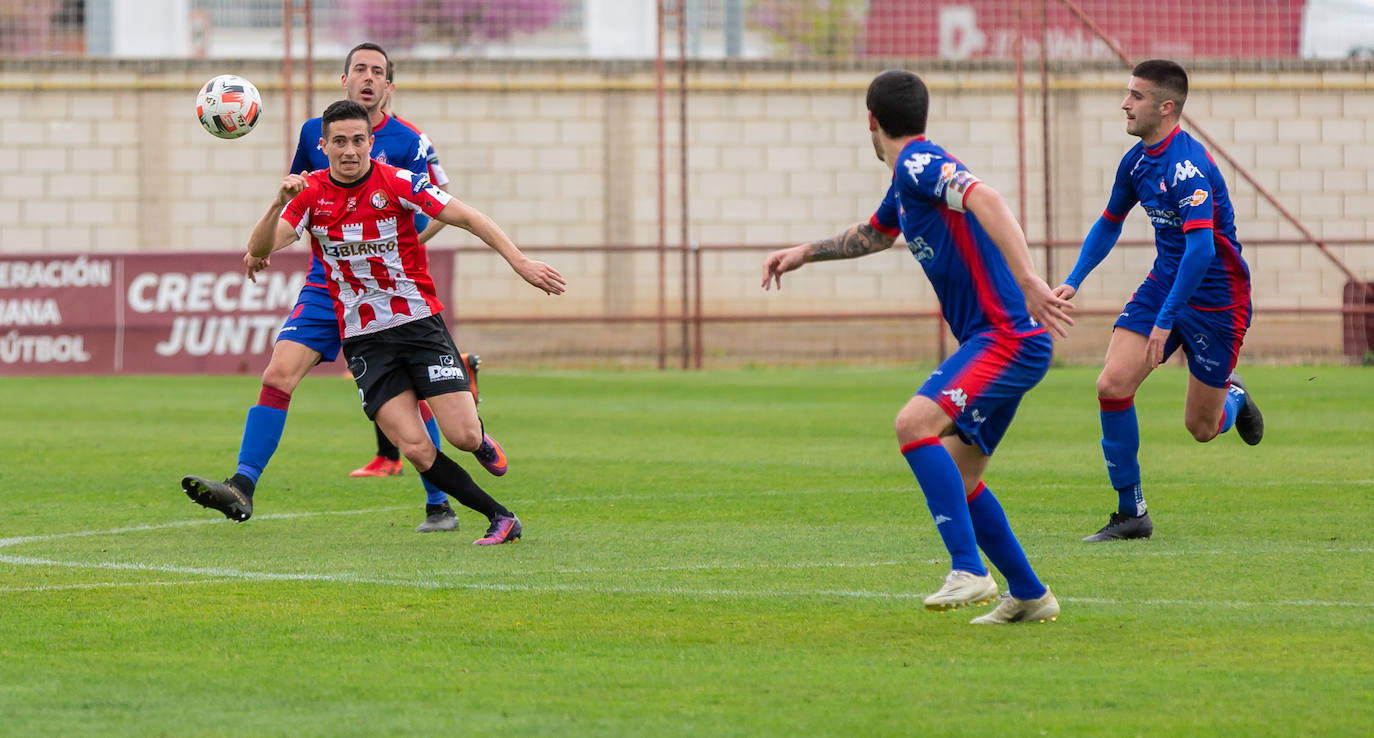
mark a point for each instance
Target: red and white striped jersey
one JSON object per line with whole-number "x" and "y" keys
{"x": 364, "y": 234}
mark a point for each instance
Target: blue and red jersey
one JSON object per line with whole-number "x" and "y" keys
{"x": 1180, "y": 188}
{"x": 393, "y": 143}
{"x": 925, "y": 203}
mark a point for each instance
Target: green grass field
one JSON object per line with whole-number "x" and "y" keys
{"x": 732, "y": 553}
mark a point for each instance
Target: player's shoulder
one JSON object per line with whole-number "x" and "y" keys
{"x": 317, "y": 178}
{"x": 396, "y": 128}
{"x": 400, "y": 177}
{"x": 407, "y": 124}
{"x": 923, "y": 146}
{"x": 1191, "y": 149}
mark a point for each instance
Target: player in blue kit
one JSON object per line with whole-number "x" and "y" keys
{"x": 311, "y": 332}
{"x": 1196, "y": 296}
{"x": 975, "y": 255}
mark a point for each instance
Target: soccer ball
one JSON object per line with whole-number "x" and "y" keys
{"x": 228, "y": 106}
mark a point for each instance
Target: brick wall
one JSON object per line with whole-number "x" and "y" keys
{"x": 109, "y": 157}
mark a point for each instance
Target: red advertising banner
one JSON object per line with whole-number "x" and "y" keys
{"x": 151, "y": 313}
{"x": 986, "y": 29}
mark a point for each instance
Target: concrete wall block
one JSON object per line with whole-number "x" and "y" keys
{"x": 1345, "y": 130}
{"x": 787, "y": 105}
{"x": 742, "y": 209}
{"x": 1315, "y": 207}
{"x": 41, "y": 159}
{"x": 27, "y": 132}
{"x": 718, "y": 184}
{"x": 47, "y": 212}
{"x": 1320, "y": 157}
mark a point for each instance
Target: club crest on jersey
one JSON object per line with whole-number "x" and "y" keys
{"x": 379, "y": 201}
{"x": 1185, "y": 170}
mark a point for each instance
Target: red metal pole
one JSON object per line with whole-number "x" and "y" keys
{"x": 696, "y": 258}
{"x": 662, "y": 200}
{"x": 682, "y": 165}
{"x": 1021, "y": 115}
{"x": 286, "y": 80}
{"x": 1045, "y": 126}
{"x": 309, "y": 59}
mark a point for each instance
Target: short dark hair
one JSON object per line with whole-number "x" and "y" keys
{"x": 1167, "y": 76}
{"x": 348, "y": 60}
{"x": 900, "y": 102}
{"x": 342, "y": 110}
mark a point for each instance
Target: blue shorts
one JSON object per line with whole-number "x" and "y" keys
{"x": 1210, "y": 338}
{"x": 313, "y": 323}
{"x": 982, "y": 383}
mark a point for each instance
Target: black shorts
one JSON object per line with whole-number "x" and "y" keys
{"x": 419, "y": 356}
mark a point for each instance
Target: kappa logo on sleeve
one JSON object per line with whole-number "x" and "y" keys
{"x": 1185, "y": 170}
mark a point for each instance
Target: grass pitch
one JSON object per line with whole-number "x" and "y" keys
{"x": 735, "y": 553}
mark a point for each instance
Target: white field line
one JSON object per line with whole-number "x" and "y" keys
{"x": 236, "y": 574}
{"x": 112, "y": 585}
{"x": 219, "y": 574}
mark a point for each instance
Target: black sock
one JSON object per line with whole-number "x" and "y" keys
{"x": 384, "y": 445}
{"x": 458, "y": 484}
{"x": 243, "y": 483}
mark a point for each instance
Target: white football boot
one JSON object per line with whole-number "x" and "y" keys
{"x": 963, "y": 588}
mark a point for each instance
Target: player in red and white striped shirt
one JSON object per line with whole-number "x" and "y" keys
{"x": 359, "y": 213}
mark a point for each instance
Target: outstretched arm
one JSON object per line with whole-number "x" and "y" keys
{"x": 435, "y": 225}
{"x": 271, "y": 233}
{"x": 537, "y": 273}
{"x": 857, "y": 240}
{"x": 1099, "y": 242}
{"x": 993, "y": 214}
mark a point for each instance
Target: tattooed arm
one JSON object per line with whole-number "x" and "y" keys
{"x": 857, "y": 240}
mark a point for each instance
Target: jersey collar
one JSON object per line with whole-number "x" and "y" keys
{"x": 349, "y": 185}
{"x": 385, "y": 119}
{"x": 1159, "y": 148}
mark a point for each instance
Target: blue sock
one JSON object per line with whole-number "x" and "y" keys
{"x": 944, "y": 491}
{"x": 1121, "y": 448}
{"x": 433, "y": 495}
{"x": 1235, "y": 399}
{"x": 261, "y": 433}
{"x": 999, "y": 543}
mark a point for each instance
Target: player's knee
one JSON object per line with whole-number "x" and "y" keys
{"x": 1202, "y": 431}
{"x": 912, "y": 425}
{"x": 278, "y": 378}
{"x": 419, "y": 453}
{"x": 467, "y": 439}
{"x": 1112, "y": 388}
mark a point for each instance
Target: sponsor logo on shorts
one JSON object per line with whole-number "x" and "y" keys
{"x": 956, "y": 396}
{"x": 447, "y": 368}
{"x": 357, "y": 365}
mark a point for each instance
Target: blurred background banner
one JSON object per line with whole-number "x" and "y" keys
{"x": 750, "y": 29}
{"x": 655, "y": 151}
{"x": 149, "y": 313}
